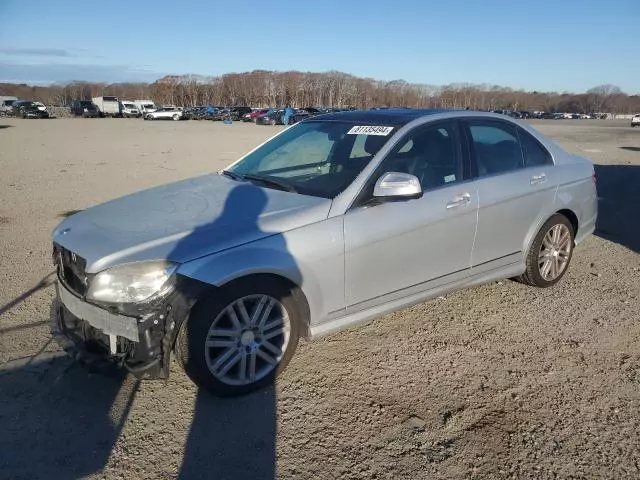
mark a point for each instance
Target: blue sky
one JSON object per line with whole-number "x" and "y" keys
{"x": 545, "y": 45}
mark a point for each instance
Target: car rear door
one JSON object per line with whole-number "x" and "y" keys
{"x": 514, "y": 196}
{"x": 399, "y": 248}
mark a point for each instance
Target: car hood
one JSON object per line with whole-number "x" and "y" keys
{"x": 183, "y": 221}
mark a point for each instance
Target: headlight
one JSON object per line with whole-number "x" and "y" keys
{"x": 130, "y": 283}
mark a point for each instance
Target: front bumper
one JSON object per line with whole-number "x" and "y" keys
{"x": 141, "y": 343}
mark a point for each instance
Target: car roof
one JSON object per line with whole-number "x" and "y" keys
{"x": 384, "y": 116}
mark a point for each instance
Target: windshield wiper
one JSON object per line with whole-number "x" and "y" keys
{"x": 233, "y": 175}
{"x": 271, "y": 182}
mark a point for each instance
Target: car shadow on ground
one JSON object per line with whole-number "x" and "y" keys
{"x": 5, "y": 126}
{"x": 631, "y": 149}
{"x": 46, "y": 281}
{"x": 58, "y": 420}
{"x": 619, "y": 204}
{"x": 233, "y": 438}
{"x": 61, "y": 421}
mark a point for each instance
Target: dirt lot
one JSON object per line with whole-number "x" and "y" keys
{"x": 502, "y": 381}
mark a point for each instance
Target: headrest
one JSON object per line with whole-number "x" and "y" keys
{"x": 373, "y": 143}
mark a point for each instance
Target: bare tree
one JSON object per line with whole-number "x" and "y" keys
{"x": 329, "y": 89}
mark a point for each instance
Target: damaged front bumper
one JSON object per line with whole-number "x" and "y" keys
{"x": 140, "y": 342}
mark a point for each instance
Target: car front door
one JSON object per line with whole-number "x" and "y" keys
{"x": 516, "y": 189}
{"x": 395, "y": 249}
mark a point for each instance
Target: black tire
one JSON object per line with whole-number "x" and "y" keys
{"x": 190, "y": 343}
{"x": 532, "y": 275}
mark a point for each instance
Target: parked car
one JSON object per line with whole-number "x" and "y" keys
{"x": 217, "y": 113}
{"x": 191, "y": 112}
{"x": 84, "y": 108}
{"x": 338, "y": 219}
{"x": 26, "y": 109}
{"x": 169, "y": 113}
{"x": 272, "y": 117}
{"x": 6, "y": 103}
{"x": 253, "y": 115}
{"x": 236, "y": 113}
{"x": 40, "y": 106}
{"x": 635, "y": 120}
{"x": 109, "y": 106}
{"x": 299, "y": 115}
{"x": 129, "y": 109}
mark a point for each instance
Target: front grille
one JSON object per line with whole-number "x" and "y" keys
{"x": 71, "y": 269}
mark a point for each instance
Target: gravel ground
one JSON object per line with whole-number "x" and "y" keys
{"x": 500, "y": 381}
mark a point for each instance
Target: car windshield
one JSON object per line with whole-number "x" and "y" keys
{"x": 128, "y": 105}
{"x": 86, "y": 104}
{"x": 313, "y": 158}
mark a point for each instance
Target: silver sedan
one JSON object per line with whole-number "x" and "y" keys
{"x": 336, "y": 220}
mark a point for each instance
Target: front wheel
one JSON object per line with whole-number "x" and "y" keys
{"x": 176, "y": 117}
{"x": 149, "y": 117}
{"x": 240, "y": 339}
{"x": 550, "y": 253}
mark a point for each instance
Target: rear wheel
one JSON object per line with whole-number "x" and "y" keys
{"x": 272, "y": 122}
{"x": 240, "y": 339}
{"x": 176, "y": 117}
{"x": 149, "y": 117}
{"x": 550, "y": 253}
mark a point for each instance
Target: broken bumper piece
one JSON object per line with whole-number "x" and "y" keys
{"x": 141, "y": 343}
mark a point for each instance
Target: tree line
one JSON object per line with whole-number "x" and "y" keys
{"x": 261, "y": 88}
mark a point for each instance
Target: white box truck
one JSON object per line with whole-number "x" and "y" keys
{"x": 145, "y": 106}
{"x": 108, "y": 106}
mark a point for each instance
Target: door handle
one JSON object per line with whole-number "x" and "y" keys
{"x": 538, "y": 179}
{"x": 459, "y": 200}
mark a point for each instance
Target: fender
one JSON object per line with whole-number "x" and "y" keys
{"x": 262, "y": 257}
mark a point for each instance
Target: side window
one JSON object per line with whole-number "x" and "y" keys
{"x": 358, "y": 150}
{"x": 430, "y": 153}
{"x": 535, "y": 155}
{"x": 496, "y": 147}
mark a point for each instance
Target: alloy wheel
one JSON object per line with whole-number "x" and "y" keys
{"x": 555, "y": 252}
{"x": 247, "y": 340}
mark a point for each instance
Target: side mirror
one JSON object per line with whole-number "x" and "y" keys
{"x": 396, "y": 186}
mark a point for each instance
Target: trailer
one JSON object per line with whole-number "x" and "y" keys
{"x": 108, "y": 106}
